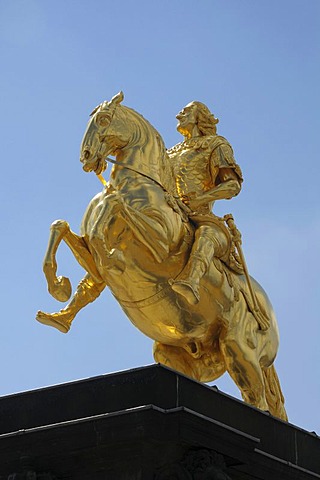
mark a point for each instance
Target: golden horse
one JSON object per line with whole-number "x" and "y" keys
{"x": 135, "y": 239}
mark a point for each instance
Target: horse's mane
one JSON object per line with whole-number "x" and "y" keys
{"x": 144, "y": 124}
{"x": 142, "y": 132}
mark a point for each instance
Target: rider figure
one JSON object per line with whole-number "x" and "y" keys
{"x": 205, "y": 171}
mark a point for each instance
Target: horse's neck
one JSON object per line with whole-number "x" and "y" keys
{"x": 134, "y": 159}
{"x": 145, "y": 151}
{"x": 124, "y": 176}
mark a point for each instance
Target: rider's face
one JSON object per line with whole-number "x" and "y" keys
{"x": 187, "y": 119}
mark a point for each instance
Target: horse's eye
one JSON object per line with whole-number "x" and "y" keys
{"x": 103, "y": 120}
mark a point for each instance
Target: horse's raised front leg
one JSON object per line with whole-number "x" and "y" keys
{"x": 87, "y": 291}
{"x": 60, "y": 287}
{"x": 106, "y": 232}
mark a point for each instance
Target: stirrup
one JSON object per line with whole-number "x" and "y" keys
{"x": 187, "y": 290}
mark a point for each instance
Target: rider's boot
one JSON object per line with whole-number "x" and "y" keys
{"x": 187, "y": 283}
{"x": 87, "y": 292}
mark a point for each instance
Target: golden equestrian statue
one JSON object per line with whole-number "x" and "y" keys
{"x": 177, "y": 270}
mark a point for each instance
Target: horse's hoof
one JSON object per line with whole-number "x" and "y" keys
{"x": 52, "y": 321}
{"x": 61, "y": 290}
{"x": 60, "y": 226}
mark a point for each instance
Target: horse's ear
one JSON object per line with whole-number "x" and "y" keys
{"x": 117, "y": 98}
{"x": 95, "y": 110}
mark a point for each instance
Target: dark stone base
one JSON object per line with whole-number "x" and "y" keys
{"x": 149, "y": 423}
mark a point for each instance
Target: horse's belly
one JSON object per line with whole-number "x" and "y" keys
{"x": 169, "y": 320}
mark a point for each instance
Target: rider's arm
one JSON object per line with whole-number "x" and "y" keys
{"x": 227, "y": 180}
{"x": 228, "y": 187}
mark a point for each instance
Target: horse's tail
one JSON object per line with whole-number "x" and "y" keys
{"x": 274, "y": 395}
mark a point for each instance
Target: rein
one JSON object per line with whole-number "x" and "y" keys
{"x": 114, "y": 162}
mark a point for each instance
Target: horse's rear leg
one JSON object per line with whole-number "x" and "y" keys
{"x": 206, "y": 368}
{"x": 243, "y": 365}
{"x": 274, "y": 393}
{"x": 87, "y": 291}
{"x": 60, "y": 287}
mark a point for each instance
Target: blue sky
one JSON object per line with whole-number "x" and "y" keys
{"x": 256, "y": 65}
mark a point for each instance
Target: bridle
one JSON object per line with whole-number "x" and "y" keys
{"x": 100, "y": 152}
{"x": 114, "y": 162}
{"x": 173, "y": 200}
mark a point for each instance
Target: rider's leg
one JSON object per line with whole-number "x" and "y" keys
{"x": 206, "y": 368}
{"x": 87, "y": 291}
{"x": 209, "y": 241}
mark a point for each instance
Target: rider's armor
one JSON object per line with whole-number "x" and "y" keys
{"x": 196, "y": 164}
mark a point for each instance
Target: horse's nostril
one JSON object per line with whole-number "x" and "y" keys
{"x": 85, "y": 155}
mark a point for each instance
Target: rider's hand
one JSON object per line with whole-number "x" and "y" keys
{"x": 195, "y": 204}
{"x": 185, "y": 199}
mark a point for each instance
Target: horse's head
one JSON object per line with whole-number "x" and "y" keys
{"x": 100, "y": 139}
{"x": 115, "y": 129}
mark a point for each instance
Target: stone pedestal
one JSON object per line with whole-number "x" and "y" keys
{"x": 149, "y": 423}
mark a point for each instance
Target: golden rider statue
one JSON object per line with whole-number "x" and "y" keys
{"x": 205, "y": 171}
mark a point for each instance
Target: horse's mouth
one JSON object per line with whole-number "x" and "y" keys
{"x": 97, "y": 167}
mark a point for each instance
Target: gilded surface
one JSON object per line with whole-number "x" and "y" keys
{"x": 177, "y": 270}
